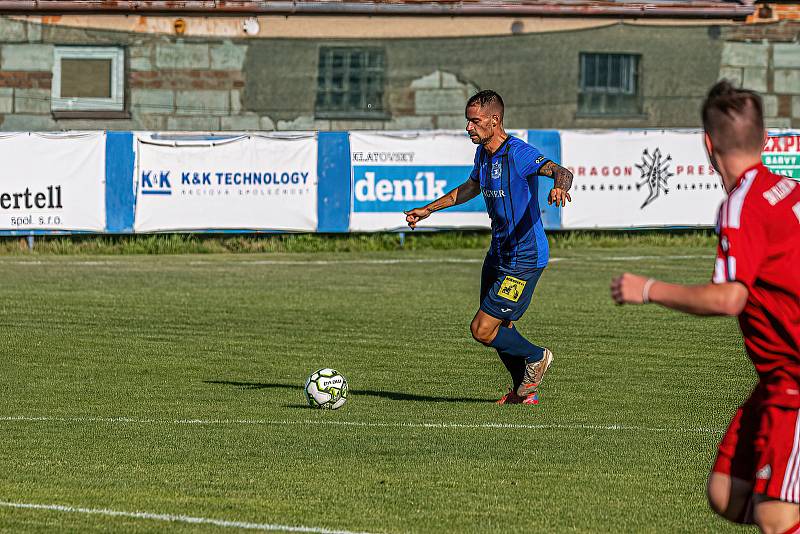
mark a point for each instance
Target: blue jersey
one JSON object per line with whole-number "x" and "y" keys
{"x": 509, "y": 182}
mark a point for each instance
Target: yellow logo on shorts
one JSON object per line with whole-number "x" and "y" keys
{"x": 511, "y": 288}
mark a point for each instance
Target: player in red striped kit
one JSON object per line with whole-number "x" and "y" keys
{"x": 756, "y": 476}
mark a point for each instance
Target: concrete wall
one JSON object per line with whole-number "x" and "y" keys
{"x": 224, "y": 83}
{"x": 766, "y": 58}
{"x": 537, "y": 75}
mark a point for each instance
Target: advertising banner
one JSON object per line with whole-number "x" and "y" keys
{"x": 52, "y": 181}
{"x": 239, "y": 183}
{"x": 782, "y": 154}
{"x": 396, "y": 171}
{"x": 637, "y": 179}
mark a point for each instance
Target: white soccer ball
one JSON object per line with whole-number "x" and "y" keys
{"x": 326, "y": 389}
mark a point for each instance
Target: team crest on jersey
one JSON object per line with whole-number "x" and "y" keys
{"x": 497, "y": 169}
{"x": 511, "y": 288}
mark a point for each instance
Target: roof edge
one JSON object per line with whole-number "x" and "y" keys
{"x": 700, "y": 9}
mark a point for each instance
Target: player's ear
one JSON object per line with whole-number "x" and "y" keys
{"x": 709, "y": 144}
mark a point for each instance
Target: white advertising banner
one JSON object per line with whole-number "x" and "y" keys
{"x": 645, "y": 178}
{"x": 239, "y": 183}
{"x": 52, "y": 181}
{"x": 396, "y": 171}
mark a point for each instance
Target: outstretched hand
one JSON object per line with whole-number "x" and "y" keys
{"x": 628, "y": 289}
{"x": 559, "y": 197}
{"x": 416, "y": 215}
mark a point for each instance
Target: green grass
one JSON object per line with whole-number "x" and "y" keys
{"x": 230, "y": 338}
{"x": 307, "y": 243}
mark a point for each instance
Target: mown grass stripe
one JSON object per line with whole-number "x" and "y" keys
{"x": 398, "y": 261}
{"x": 174, "y": 518}
{"x": 314, "y": 422}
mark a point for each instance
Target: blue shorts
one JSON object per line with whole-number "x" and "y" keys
{"x": 506, "y": 294}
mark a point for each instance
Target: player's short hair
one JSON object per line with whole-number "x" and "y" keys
{"x": 487, "y": 98}
{"x": 733, "y": 118}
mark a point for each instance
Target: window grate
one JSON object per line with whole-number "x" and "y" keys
{"x": 350, "y": 81}
{"x": 609, "y": 84}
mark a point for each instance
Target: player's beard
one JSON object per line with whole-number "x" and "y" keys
{"x": 478, "y": 140}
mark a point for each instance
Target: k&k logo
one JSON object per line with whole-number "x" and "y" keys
{"x": 655, "y": 174}
{"x": 156, "y": 183}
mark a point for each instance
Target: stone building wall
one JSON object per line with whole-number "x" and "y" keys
{"x": 766, "y": 58}
{"x": 537, "y": 75}
{"x": 211, "y": 84}
{"x": 171, "y": 84}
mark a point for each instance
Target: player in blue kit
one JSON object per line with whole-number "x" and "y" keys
{"x": 505, "y": 172}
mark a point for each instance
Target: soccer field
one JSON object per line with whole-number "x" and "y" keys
{"x": 171, "y": 387}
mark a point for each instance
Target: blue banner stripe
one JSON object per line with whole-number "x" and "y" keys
{"x": 549, "y": 143}
{"x": 333, "y": 188}
{"x": 120, "y": 196}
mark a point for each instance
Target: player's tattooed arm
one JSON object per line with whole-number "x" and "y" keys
{"x": 463, "y": 193}
{"x": 562, "y": 178}
{"x": 562, "y": 181}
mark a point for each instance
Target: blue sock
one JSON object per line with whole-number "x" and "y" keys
{"x": 509, "y": 342}
{"x": 514, "y": 366}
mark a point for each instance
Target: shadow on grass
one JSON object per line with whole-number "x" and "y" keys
{"x": 391, "y": 395}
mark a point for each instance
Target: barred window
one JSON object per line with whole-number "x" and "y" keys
{"x": 609, "y": 84}
{"x": 350, "y": 82}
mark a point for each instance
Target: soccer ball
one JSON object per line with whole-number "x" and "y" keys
{"x": 326, "y": 389}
